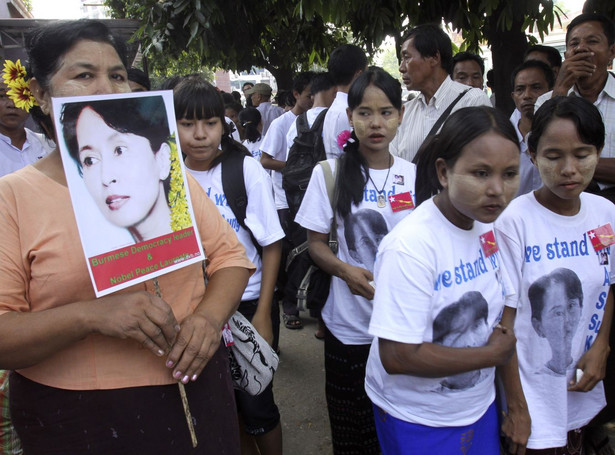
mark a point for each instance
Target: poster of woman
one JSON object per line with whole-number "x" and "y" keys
{"x": 127, "y": 184}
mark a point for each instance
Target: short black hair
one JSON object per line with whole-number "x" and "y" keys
{"x": 430, "y": 40}
{"x": 46, "y": 45}
{"x": 607, "y": 25}
{"x": 321, "y": 83}
{"x": 553, "y": 55}
{"x": 465, "y": 56}
{"x": 344, "y": 62}
{"x": 302, "y": 80}
{"x": 143, "y": 116}
{"x": 548, "y": 72}
{"x": 139, "y": 76}
{"x": 582, "y": 113}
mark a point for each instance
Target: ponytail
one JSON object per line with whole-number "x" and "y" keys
{"x": 352, "y": 176}
{"x": 427, "y": 183}
{"x": 249, "y": 118}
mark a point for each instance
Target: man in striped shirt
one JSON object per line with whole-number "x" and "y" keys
{"x": 426, "y": 57}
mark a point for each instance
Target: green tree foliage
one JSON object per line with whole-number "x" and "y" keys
{"x": 286, "y": 36}
{"x": 233, "y": 34}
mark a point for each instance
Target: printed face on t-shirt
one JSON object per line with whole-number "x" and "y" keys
{"x": 462, "y": 324}
{"x": 364, "y": 230}
{"x": 556, "y": 301}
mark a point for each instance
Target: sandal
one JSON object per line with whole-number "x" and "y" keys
{"x": 292, "y": 321}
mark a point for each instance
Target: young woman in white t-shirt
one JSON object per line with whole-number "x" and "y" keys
{"x": 440, "y": 292}
{"x": 205, "y": 140}
{"x": 252, "y": 123}
{"x": 555, "y": 245}
{"x": 371, "y": 188}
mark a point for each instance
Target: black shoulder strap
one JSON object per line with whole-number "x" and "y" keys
{"x": 320, "y": 119}
{"x": 446, "y": 113}
{"x": 436, "y": 126}
{"x": 302, "y": 124}
{"x": 234, "y": 187}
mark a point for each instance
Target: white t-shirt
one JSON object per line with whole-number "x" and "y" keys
{"x": 535, "y": 242}
{"x": 336, "y": 121}
{"x": 261, "y": 216}
{"x": 254, "y": 148}
{"x": 233, "y": 128}
{"x": 269, "y": 113}
{"x": 434, "y": 283}
{"x": 347, "y": 315}
{"x": 274, "y": 144}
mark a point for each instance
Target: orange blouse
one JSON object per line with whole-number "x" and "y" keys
{"x": 42, "y": 266}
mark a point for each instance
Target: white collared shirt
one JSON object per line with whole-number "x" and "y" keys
{"x": 420, "y": 116}
{"x": 12, "y": 158}
{"x": 529, "y": 177}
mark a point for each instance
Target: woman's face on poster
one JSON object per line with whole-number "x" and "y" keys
{"x": 122, "y": 173}
{"x": 560, "y": 317}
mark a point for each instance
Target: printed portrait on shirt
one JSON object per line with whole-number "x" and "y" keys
{"x": 363, "y": 231}
{"x": 463, "y": 324}
{"x": 556, "y": 301}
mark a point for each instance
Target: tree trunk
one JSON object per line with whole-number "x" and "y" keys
{"x": 283, "y": 77}
{"x": 507, "y": 48}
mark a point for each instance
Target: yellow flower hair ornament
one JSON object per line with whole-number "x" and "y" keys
{"x": 14, "y": 76}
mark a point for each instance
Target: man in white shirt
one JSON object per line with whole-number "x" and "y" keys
{"x": 529, "y": 80}
{"x": 345, "y": 64}
{"x": 273, "y": 157}
{"x": 19, "y": 146}
{"x": 426, "y": 56}
{"x": 260, "y": 95}
{"x": 274, "y": 146}
{"x": 590, "y": 48}
{"x": 468, "y": 69}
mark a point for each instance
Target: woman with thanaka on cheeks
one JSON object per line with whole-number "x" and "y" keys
{"x": 205, "y": 140}
{"x": 440, "y": 292}
{"x": 100, "y": 375}
{"x": 370, "y": 188}
{"x": 556, "y": 246}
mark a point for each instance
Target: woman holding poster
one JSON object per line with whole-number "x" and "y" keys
{"x": 557, "y": 249}
{"x": 100, "y": 375}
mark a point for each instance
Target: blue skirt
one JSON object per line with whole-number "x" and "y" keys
{"x": 398, "y": 437}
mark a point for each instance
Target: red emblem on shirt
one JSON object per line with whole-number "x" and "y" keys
{"x": 488, "y": 243}
{"x": 601, "y": 237}
{"x": 401, "y": 201}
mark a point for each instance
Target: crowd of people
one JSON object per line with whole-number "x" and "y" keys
{"x": 470, "y": 253}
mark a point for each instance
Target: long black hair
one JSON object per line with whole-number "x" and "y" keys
{"x": 250, "y": 118}
{"x": 195, "y": 98}
{"x": 353, "y": 172}
{"x": 461, "y": 128}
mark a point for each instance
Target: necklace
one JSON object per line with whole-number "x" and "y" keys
{"x": 382, "y": 202}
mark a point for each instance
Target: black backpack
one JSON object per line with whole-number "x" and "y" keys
{"x": 307, "y": 150}
{"x": 236, "y": 195}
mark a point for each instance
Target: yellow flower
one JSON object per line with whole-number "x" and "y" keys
{"x": 13, "y": 72}
{"x": 21, "y": 95}
{"x": 180, "y": 216}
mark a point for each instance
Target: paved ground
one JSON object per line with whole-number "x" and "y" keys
{"x": 300, "y": 393}
{"x": 299, "y": 389}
